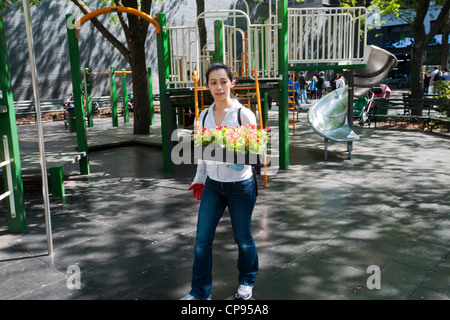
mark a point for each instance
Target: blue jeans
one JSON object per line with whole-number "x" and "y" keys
{"x": 240, "y": 197}
{"x": 303, "y": 96}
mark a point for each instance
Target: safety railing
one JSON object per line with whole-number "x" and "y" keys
{"x": 264, "y": 42}
{"x": 47, "y": 106}
{"x": 327, "y": 35}
{"x": 182, "y": 55}
{"x": 317, "y": 36}
{"x": 7, "y": 164}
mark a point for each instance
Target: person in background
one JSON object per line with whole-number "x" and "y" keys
{"x": 426, "y": 82}
{"x": 313, "y": 87}
{"x": 293, "y": 86}
{"x": 433, "y": 73}
{"x": 385, "y": 90}
{"x": 303, "y": 87}
{"x": 446, "y": 74}
{"x": 340, "y": 82}
{"x": 333, "y": 84}
{"x": 320, "y": 84}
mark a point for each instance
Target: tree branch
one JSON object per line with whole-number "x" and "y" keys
{"x": 113, "y": 40}
{"x": 439, "y": 21}
{"x": 146, "y": 6}
{"x": 122, "y": 21}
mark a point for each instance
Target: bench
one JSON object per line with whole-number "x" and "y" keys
{"x": 434, "y": 121}
{"x": 55, "y": 162}
{"x": 426, "y": 112}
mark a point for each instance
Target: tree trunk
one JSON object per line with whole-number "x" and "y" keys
{"x": 201, "y": 24}
{"x": 445, "y": 46}
{"x": 141, "y": 107}
{"x": 136, "y": 35}
{"x": 417, "y": 59}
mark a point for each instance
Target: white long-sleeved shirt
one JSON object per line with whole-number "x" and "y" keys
{"x": 220, "y": 171}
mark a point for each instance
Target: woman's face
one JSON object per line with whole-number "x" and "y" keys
{"x": 220, "y": 85}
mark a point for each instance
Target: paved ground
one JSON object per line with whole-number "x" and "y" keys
{"x": 319, "y": 226}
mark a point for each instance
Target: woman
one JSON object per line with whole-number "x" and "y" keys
{"x": 218, "y": 185}
{"x": 313, "y": 87}
{"x": 340, "y": 82}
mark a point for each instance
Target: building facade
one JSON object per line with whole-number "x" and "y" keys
{"x": 396, "y": 36}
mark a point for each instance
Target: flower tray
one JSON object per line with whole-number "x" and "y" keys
{"x": 216, "y": 153}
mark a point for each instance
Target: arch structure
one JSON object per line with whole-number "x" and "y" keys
{"x": 128, "y": 10}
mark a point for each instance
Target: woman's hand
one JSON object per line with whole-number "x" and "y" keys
{"x": 197, "y": 189}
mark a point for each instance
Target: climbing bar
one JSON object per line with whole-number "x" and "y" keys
{"x": 133, "y": 11}
{"x": 107, "y": 73}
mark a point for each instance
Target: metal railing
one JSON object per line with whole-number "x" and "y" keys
{"x": 182, "y": 55}
{"x": 316, "y": 36}
{"x": 7, "y": 164}
{"x": 28, "y": 106}
{"x": 264, "y": 40}
{"x": 57, "y": 105}
{"x": 327, "y": 35}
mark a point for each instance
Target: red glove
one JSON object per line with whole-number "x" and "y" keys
{"x": 197, "y": 190}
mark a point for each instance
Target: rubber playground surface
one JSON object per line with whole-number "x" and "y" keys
{"x": 322, "y": 228}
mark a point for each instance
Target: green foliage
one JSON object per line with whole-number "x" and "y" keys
{"x": 443, "y": 89}
{"x": 403, "y": 9}
{"x": 6, "y": 4}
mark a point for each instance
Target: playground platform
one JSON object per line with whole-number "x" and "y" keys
{"x": 320, "y": 227}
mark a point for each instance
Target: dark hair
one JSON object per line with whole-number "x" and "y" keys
{"x": 217, "y": 66}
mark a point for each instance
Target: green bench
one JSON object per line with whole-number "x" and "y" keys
{"x": 434, "y": 121}
{"x": 55, "y": 163}
{"x": 426, "y": 112}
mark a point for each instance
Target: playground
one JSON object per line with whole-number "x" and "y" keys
{"x": 318, "y": 226}
{"x": 365, "y": 221}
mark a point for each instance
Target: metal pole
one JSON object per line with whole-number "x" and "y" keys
{"x": 37, "y": 103}
{"x": 351, "y": 83}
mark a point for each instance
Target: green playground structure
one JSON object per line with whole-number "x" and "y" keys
{"x": 287, "y": 40}
{"x": 10, "y": 154}
{"x": 113, "y": 94}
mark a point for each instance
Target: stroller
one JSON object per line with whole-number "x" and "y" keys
{"x": 364, "y": 107}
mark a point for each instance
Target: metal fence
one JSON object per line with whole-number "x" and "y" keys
{"x": 25, "y": 107}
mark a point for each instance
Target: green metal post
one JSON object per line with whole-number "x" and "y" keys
{"x": 57, "y": 181}
{"x": 262, "y": 43}
{"x": 8, "y": 127}
{"x": 150, "y": 96}
{"x": 126, "y": 112}
{"x": 75, "y": 68}
{"x": 166, "y": 110}
{"x": 266, "y": 109}
{"x": 283, "y": 115}
{"x": 88, "y": 97}
{"x": 113, "y": 89}
{"x": 218, "y": 41}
